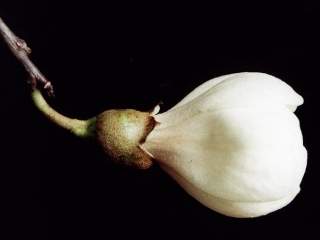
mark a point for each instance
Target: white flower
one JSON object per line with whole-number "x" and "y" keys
{"x": 234, "y": 144}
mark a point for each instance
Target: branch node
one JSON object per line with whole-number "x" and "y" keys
{"x": 21, "y": 45}
{"x": 21, "y": 50}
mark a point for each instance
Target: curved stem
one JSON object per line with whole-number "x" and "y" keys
{"x": 80, "y": 128}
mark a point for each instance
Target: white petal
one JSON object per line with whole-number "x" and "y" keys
{"x": 244, "y": 154}
{"x": 203, "y": 88}
{"x": 232, "y": 91}
{"x": 229, "y": 207}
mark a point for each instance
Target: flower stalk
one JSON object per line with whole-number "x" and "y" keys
{"x": 80, "y": 128}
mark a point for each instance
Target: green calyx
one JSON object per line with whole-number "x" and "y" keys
{"x": 121, "y": 133}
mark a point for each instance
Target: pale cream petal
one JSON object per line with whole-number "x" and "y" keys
{"x": 247, "y": 89}
{"x": 239, "y": 209}
{"x": 236, "y": 154}
{"x": 203, "y": 88}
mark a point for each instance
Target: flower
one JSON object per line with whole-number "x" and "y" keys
{"x": 234, "y": 144}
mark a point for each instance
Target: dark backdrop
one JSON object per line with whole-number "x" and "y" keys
{"x": 102, "y": 56}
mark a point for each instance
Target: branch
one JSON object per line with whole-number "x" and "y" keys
{"x": 20, "y": 49}
{"x": 80, "y": 128}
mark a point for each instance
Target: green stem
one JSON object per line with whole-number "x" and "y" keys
{"x": 80, "y": 128}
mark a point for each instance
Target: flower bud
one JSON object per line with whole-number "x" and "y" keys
{"x": 234, "y": 144}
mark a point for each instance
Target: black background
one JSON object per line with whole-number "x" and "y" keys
{"x": 102, "y": 56}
